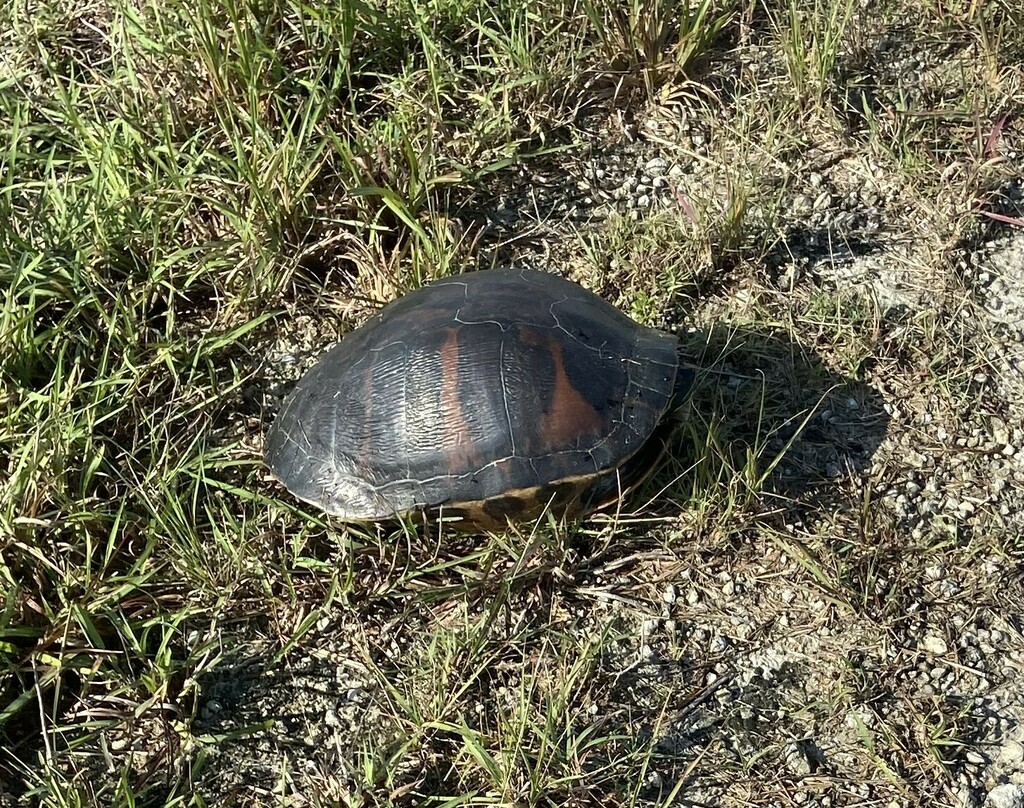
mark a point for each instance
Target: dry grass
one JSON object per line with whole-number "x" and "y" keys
{"x": 815, "y": 601}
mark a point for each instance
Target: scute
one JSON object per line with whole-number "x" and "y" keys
{"x": 473, "y": 390}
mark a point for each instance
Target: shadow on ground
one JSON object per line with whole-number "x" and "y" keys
{"x": 771, "y": 399}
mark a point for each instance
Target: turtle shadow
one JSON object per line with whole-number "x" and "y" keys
{"x": 769, "y": 409}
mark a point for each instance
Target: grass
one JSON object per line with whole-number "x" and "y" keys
{"x": 190, "y": 193}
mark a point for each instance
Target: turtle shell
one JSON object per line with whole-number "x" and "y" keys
{"x": 487, "y": 396}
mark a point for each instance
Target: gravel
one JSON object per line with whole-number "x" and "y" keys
{"x": 798, "y": 687}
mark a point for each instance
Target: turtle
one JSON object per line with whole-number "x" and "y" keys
{"x": 487, "y": 397}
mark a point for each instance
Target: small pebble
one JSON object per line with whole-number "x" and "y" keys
{"x": 1007, "y": 795}
{"x": 1012, "y": 752}
{"x": 656, "y": 166}
{"x": 934, "y": 645}
{"x": 796, "y": 759}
